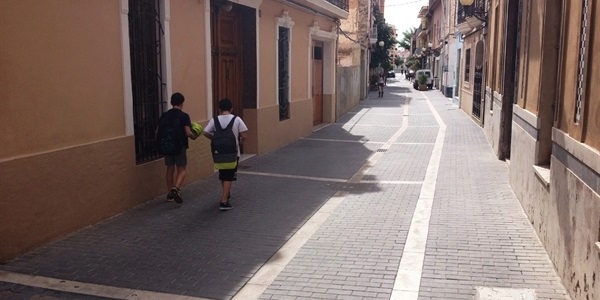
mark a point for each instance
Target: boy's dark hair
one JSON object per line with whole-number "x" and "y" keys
{"x": 225, "y": 104}
{"x": 177, "y": 99}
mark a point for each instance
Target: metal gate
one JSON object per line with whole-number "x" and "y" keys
{"x": 477, "y": 92}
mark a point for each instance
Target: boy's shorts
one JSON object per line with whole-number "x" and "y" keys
{"x": 179, "y": 160}
{"x": 229, "y": 175}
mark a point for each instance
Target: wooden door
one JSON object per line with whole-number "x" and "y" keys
{"x": 317, "y": 91}
{"x": 226, "y": 58}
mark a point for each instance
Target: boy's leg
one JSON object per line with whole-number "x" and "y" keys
{"x": 180, "y": 176}
{"x": 227, "y": 177}
{"x": 180, "y": 162}
{"x": 226, "y": 190}
{"x": 169, "y": 176}
{"x": 178, "y": 182}
{"x": 224, "y": 204}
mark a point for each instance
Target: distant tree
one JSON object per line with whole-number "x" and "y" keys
{"x": 406, "y": 37}
{"x": 399, "y": 61}
{"x": 380, "y": 56}
{"x": 413, "y": 63}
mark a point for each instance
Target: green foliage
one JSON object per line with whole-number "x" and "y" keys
{"x": 374, "y": 79}
{"x": 380, "y": 57}
{"x": 422, "y": 79}
{"x": 399, "y": 61}
{"x": 406, "y": 36}
{"x": 413, "y": 63}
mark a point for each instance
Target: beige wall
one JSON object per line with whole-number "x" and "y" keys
{"x": 272, "y": 133}
{"x": 564, "y": 212}
{"x": 65, "y": 150}
{"x": 188, "y": 53}
{"x": 60, "y": 75}
{"x": 570, "y": 243}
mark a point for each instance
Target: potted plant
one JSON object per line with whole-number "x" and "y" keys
{"x": 422, "y": 80}
{"x": 373, "y": 82}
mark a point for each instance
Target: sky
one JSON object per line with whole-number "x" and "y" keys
{"x": 403, "y": 13}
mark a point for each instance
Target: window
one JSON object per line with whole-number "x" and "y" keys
{"x": 581, "y": 67}
{"x": 284, "y": 69}
{"x": 524, "y": 68}
{"x": 148, "y": 85}
{"x": 284, "y": 40}
{"x": 458, "y": 70}
{"x": 467, "y": 64}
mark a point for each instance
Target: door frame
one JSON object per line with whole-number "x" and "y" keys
{"x": 255, "y": 4}
{"x": 329, "y": 41}
{"x": 317, "y": 111}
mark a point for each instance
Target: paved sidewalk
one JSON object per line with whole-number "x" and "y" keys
{"x": 402, "y": 198}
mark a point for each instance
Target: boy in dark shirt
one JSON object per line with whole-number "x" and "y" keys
{"x": 179, "y": 161}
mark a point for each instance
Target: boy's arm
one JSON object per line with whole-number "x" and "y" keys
{"x": 209, "y": 129}
{"x": 243, "y": 136}
{"x": 188, "y": 133}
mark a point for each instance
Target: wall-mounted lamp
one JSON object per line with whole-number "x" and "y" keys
{"x": 227, "y": 6}
{"x": 381, "y": 43}
{"x": 223, "y": 5}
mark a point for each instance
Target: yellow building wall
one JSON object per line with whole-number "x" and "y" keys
{"x": 188, "y": 56}
{"x": 65, "y": 161}
{"x": 271, "y": 132}
{"x": 60, "y": 75}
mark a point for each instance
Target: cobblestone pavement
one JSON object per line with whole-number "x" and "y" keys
{"x": 402, "y": 198}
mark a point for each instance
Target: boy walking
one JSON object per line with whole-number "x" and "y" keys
{"x": 227, "y": 176}
{"x": 181, "y": 124}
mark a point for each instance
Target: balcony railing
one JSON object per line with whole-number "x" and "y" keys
{"x": 338, "y": 9}
{"x": 463, "y": 12}
{"x": 343, "y": 4}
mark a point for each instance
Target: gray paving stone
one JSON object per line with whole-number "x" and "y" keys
{"x": 478, "y": 235}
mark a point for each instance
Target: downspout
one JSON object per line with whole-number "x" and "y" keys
{"x": 335, "y": 71}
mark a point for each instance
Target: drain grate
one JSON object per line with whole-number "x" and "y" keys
{"x": 381, "y": 150}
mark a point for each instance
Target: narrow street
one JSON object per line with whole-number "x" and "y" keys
{"x": 402, "y": 198}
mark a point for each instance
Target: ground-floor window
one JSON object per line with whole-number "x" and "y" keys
{"x": 148, "y": 85}
{"x": 284, "y": 76}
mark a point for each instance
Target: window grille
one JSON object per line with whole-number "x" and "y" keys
{"x": 145, "y": 42}
{"x": 284, "y": 76}
{"x": 527, "y": 12}
{"x": 467, "y": 64}
{"x": 581, "y": 72}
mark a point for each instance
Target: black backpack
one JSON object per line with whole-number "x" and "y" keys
{"x": 223, "y": 145}
{"x": 169, "y": 135}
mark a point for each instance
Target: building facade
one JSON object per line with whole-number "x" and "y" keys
{"x": 82, "y": 85}
{"x": 543, "y": 117}
{"x": 358, "y": 34}
{"x": 473, "y": 58}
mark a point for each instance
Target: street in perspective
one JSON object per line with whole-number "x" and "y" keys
{"x": 400, "y": 198}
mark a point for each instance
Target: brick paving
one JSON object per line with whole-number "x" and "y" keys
{"x": 478, "y": 234}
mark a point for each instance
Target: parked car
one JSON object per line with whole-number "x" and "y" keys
{"x": 427, "y": 74}
{"x": 391, "y": 74}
